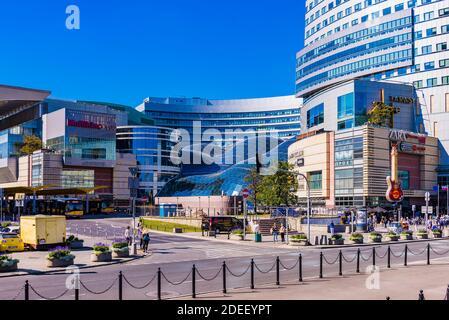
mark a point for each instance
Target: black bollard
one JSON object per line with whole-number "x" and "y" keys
{"x": 224, "y": 277}
{"x": 447, "y": 293}
{"x": 358, "y": 261}
{"x": 389, "y": 258}
{"x": 428, "y": 254}
{"x": 120, "y": 286}
{"x": 316, "y": 240}
{"x": 27, "y": 290}
{"x": 193, "y": 282}
{"x": 340, "y": 260}
{"x": 252, "y": 274}
{"x": 405, "y": 256}
{"x": 374, "y": 256}
{"x": 77, "y": 294}
{"x": 159, "y": 284}
{"x": 278, "y": 282}
{"x": 300, "y": 268}
{"x": 421, "y": 295}
{"x": 321, "y": 265}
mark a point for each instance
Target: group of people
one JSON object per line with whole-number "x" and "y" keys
{"x": 276, "y": 231}
{"x": 143, "y": 237}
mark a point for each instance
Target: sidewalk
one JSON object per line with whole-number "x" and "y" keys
{"x": 35, "y": 262}
{"x": 401, "y": 283}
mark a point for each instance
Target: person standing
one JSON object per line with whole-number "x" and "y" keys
{"x": 282, "y": 232}
{"x": 146, "y": 242}
{"x": 128, "y": 236}
{"x": 275, "y": 232}
{"x": 332, "y": 228}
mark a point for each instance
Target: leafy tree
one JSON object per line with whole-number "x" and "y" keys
{"x": 254, "y": 180}
{"x": 30, "y": 144}
{"x": 381, "y": 114}
{"x": 279, "y": 189}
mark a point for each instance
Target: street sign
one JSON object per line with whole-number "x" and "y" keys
{"x": 245, "y": 193}
{"x": 429, "y": 209}
{"x": 427, "y": 196}
{"x": 133, "y": 183}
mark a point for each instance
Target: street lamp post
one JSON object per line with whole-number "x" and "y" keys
{"x": 308, "y": 203}
{"x": 134, "y": 172}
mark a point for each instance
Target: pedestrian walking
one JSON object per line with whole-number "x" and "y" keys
{"x": 332, "y": 228}
{"x": 146, "y": 242}
{"x": 275, "y": 232}
{"x": 282, "y": 232}
{"x": 128, "y": 236}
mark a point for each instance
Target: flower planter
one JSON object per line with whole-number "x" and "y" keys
{"x": 76, "y": 244}
{"x": 9, "y": 267}
{"x": 392, "y": 238}
{"x": 300, "y": 243}
{"x": 437, "y": 235}
{"x": 338, "y": 242}
{"x": 357, "y": 241}
{"x": 60, "y": 263}
{"x": 406, "y": 237}
{"x": 238, "y": 237}
{"x": 422, "y": 236}
{"x": 120, "y": 253}
{"x": 376, "y": 240}
{"x": 101, "y": 257}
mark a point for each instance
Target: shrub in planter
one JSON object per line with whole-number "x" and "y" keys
{"x": 437, "y": 233}
{"x": 60, "y": 257}
{"x": 356, "y": 238}
{"x": 237, "y": 234}
{"x": 298, "y": 240}
{"x": 120, "y": 249}
{"x": 7, "y": 264}
{"x": 375, "y": 237}
{"x": 74, "y": 242}
{"x": 407, "y": 235}
{"x": 392, "y": 236}
{"x": 337, "y": 239}
{"x": 422, "y": 234}
{"x": 101, "y": 253}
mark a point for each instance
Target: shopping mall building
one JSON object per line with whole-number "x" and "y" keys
{"x": 357, "y": 53}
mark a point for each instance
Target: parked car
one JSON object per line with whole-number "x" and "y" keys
{"x": 11, "y": 242}
{"x": 222, "y": 224}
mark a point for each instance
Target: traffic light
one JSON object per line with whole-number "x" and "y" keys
{"x": 258, "y": 164}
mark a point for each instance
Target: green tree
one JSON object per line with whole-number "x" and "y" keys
{"x": 30, "y": 144}
{"x": 381, "y": 114}
{"x": 254, "y": 180}
{"x": 279, "y": 189}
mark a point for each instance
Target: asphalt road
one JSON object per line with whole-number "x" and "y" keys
{"x": 141, "y": 273}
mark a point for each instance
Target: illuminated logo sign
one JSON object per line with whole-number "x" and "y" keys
{"x": 411, "y": 148}
{"x": 399, "y": 135}
{"x": 404, "y": 100}
{"x": 87, "y": 125}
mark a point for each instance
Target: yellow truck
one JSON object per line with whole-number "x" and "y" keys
{"x": 41, "y": 232}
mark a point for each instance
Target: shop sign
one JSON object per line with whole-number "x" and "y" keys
{"x": 400, "y": 135}
{"x": 404, "y": 100}
{"x": 300, "y": 162}
{"x": 87, "y": 124}
{"x": 411, "y": 148}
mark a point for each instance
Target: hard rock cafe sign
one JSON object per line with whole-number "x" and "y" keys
{"x": 394, "y": 191}
{"x": 401, "y": 135}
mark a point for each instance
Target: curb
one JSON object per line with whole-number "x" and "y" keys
{"x": 33, "y": 273}
{"x": 379, "y": 243}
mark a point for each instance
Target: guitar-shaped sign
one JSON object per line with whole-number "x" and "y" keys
{"x": 394, "y": 191}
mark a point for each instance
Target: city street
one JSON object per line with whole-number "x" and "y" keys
{"x": 176, "y": 255}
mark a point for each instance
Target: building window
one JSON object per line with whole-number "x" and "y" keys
{"x": 444, "y": 63}
{"x": 345, "y": 106}
{"x": 426, "y": 49}
{"x": 404, "y": 178}
{"x": 442, "y": 46}
{"x": 445, "y": 80}
{"x": 435, "y": 129}
{"x": 418, "y": 84}
{"x": 432, "y": 82}
{"x": 315, "y": 180}
{"x": 432, "y": 103}
{"x": 315, "y": 116}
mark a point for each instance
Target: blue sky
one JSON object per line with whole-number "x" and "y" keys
{"x": 127, "y": 50}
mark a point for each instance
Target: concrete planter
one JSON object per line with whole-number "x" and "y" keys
{"x": 422, "y": 236}
{"x": 177, "y": 230}
{"x": 101, "y": 257}
{"x": 76, "y": 244}
{"x": 406, "y": 237}
{"x": 120, "y": 254}
{"x": 437, "y": 235}
{"x": 392, "y": 238}
{"x": 375, "y": 239}
{"x": 338, "y": 242}
{"x": 60, "y": 263}
{"x": 238, "y": 237}
{"x": 357, "y": 241}
{"x": 10, "y": 268}
{"x": 297, "y": 243}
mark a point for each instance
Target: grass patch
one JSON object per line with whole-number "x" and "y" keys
{"x": 167, "y": 226}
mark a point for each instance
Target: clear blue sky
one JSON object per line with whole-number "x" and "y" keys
{"x": 127, "y": 50}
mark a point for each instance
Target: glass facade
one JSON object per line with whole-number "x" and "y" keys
{"x": 11, "y": 140}
{"x": 152, "y": 148}
{"x": 315, "y": 116}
